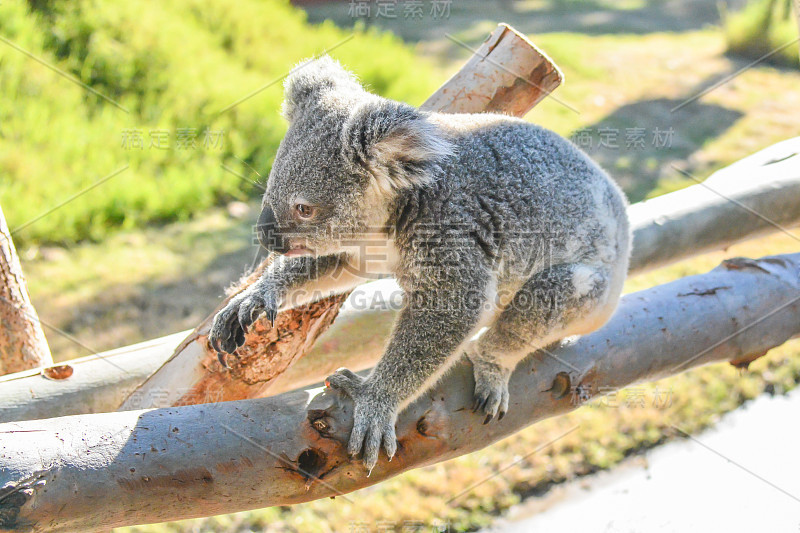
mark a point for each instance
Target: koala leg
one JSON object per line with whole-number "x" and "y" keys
{"x": 564, "y": 300}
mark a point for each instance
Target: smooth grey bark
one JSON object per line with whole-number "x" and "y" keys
{"x": 93, "y": 472}
{"x": 96, "y": 383}
{"x": 757, "y": 195}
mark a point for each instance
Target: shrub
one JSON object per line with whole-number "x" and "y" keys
{"x": 176, "y": 68}
{"x": 761, "y": 28}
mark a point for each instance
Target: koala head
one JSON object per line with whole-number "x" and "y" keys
{"x": 345, "y": 157}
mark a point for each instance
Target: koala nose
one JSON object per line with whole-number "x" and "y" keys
{"x": 267, "y": 231}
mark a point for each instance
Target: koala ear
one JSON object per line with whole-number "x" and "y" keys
{"x": 395, "y": 143}
{"x": 310, "y": 80}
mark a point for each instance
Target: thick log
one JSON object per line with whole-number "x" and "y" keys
{"x": 664, "y": 231}
{"x": 94, "y": 472}
{"x": 507, "y": 74}
{"x": 22, "y": 341}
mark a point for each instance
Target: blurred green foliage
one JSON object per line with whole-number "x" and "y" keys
{"x": 174, "y": 67}
{"x": 764, "y": 27}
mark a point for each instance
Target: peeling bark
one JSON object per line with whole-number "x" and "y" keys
{"x": 22, "y": 341}
{"x": 94, "y": 472}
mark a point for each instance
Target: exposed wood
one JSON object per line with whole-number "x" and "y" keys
{"x": 94, "y": 472}
{"x": 664, "y": 231}
{"x": 488, "y": 82}
{"x": 507, "y": 74}
{"x": 22, "y": 341}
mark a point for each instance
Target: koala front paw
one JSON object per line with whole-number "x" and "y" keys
{"x": 491, "y": 389}
{"x": 230, "y": 324}
{"x": 373, "y": 418}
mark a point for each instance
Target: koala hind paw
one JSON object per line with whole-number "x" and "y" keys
{"x": 373, "y": 418}
{"x": 491, "y": 390}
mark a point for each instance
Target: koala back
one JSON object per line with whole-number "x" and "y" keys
{"x": 525, "y": 196}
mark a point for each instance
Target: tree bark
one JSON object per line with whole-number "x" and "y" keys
{"x": 94, "y": 472}
{"x": 757, "y": 195}
{"x": 796, "y": 4}
{"x": 93, "y": 384}
{"x": 22, "y": 341}
{"x": 508, "y": 73}
{"x": 665, "y": 230}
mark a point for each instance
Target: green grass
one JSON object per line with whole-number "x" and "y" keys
{"x": 175, "y": 67}
{"x": 764, "y": 28}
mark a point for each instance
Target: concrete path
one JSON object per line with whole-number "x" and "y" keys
{"x": 741, "y": 476}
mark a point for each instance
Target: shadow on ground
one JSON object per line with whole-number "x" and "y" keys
{"x": 471, "y": 18}
{"x": 639, "y": 142}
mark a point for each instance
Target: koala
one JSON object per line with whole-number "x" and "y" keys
{"x": 504, "y": 237}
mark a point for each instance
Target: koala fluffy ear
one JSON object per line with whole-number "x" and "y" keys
{"x": 395, "y": 143}
{"x": 310, "y": 80}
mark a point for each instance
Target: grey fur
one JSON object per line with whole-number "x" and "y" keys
{"x": 504, "y": 236}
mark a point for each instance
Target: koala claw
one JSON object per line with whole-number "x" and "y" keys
{"x": 373, "y": 418}
{"x": 272, "y": 314}
{"x": 225, "y": 329}
{"x": 491, "y": 392}
{"x": 251, "y": 308}
{"x": 229, "y": 327}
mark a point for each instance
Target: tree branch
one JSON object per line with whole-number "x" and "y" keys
{"x": 93, "y": 472}
{"x": 757, "y": 195}
{"x": 22, "y": 341}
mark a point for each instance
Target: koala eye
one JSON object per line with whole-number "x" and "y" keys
{"x": 304, "y": 211}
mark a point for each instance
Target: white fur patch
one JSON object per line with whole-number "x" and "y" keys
{"x": 608, "y": 222}
{"x": 583, "y": 279}
{"x": 419, "y": 141}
